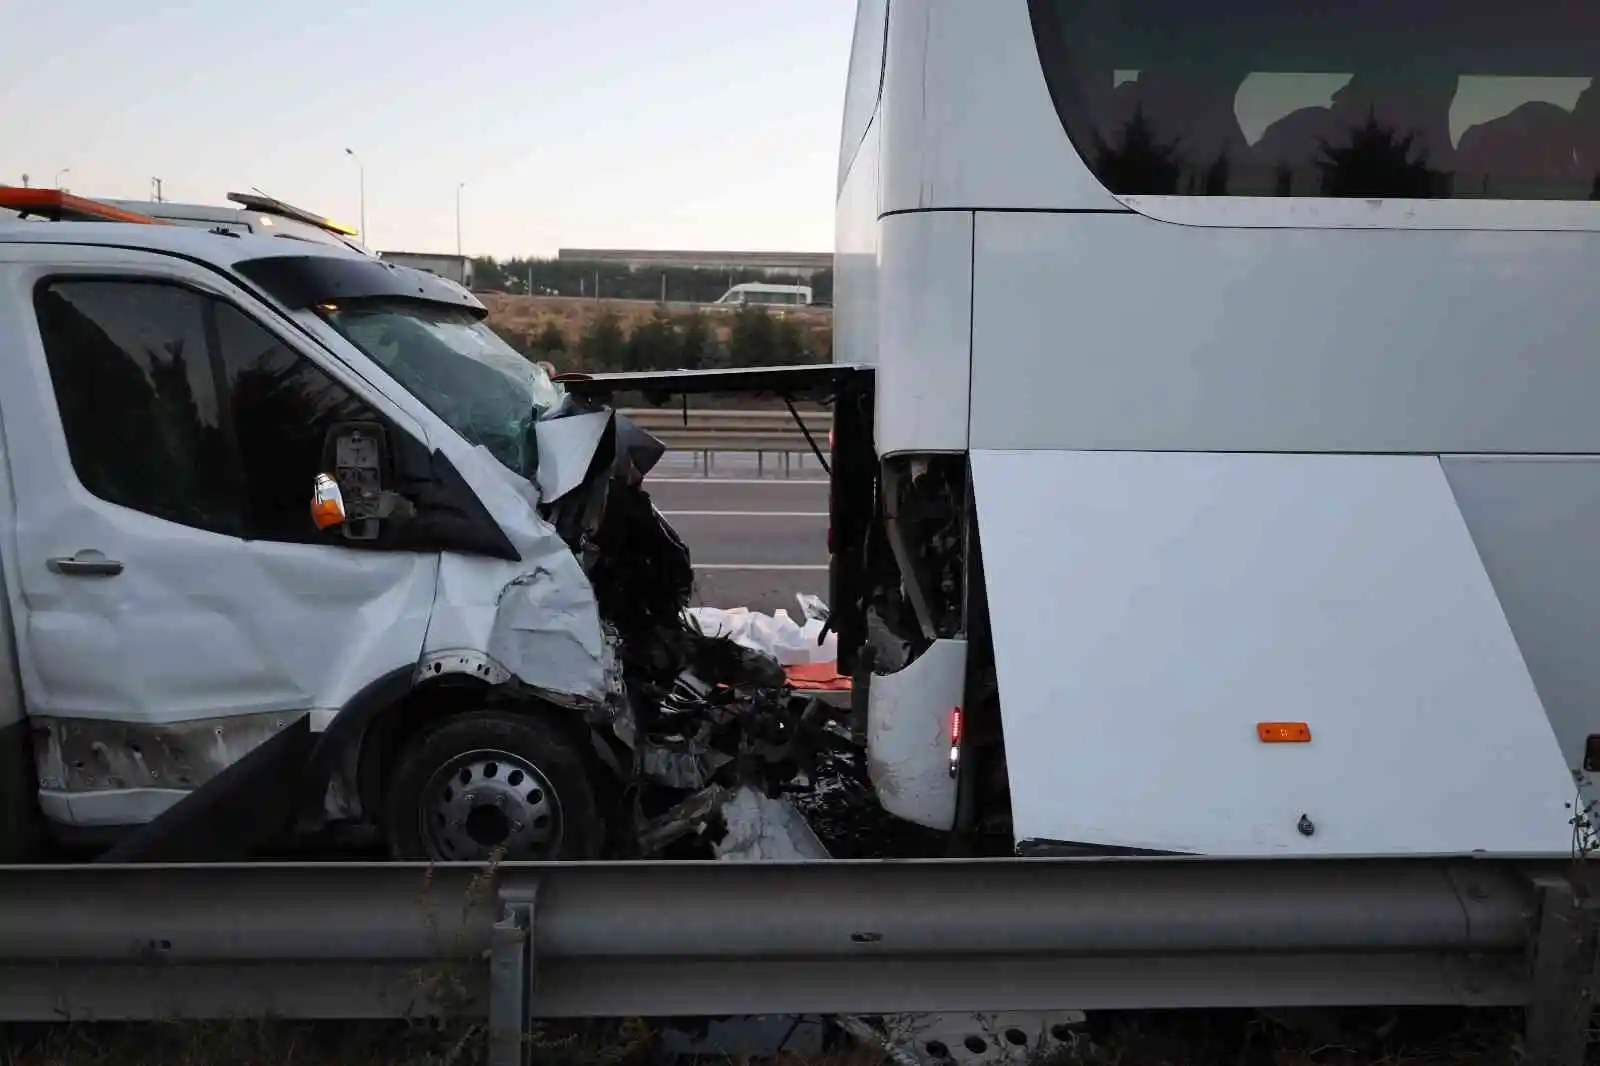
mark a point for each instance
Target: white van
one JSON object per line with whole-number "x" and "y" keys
{"x": 761, "y": 294}
{"x": 289, "y": 536}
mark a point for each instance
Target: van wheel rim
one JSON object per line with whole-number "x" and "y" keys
{"x": 484, "y": 800}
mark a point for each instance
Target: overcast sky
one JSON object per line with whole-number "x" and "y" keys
{"x": 591, "y": 123}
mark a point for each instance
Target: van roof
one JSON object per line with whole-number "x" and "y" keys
{"x": 296, "y": 273}
{"x": 253, "y": 210}
{"x": 188, "y": 241}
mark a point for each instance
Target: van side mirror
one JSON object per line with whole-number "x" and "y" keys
{"x": 350, "y": 494}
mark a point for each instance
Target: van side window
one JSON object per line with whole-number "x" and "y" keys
{"x": 138, "y": 403}
{"x": 282, "y": 407}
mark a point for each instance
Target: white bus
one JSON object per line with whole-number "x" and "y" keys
{"x": 761, "y": 294}
{"x": 1235, "y": 417}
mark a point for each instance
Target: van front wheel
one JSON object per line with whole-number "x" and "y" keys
{"x": 483, "y": 781}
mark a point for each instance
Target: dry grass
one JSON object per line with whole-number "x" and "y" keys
{"x": 527, "y": 315}
{"x": 1135, "y": 1039}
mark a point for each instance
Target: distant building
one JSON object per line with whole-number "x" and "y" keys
{"x": 457, "y": 268}
{"x": 790, "y": 264}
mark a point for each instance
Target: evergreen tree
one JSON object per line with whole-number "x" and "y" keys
{"x": 550, "y": 339}
{"x": 603, "y": 344}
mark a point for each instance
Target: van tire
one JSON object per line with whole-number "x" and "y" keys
{"x": 489, "y": 775}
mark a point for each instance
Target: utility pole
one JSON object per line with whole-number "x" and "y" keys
{"x": 459, "y": 187}
{"x": 361, "y": 178}
{"x": 24, "y": 181}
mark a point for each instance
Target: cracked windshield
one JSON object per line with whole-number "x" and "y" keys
{"x": 460, "y": 368}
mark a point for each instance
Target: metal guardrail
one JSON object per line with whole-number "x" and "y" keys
{"x": 709, "y": 431}
{"x": 768, "y": 428}
{"x": 703, "y": 938}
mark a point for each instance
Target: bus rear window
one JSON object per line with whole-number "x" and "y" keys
{"x": 1425, "y": 99}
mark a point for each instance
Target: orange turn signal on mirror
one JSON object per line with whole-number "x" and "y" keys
{"x": 1283, "y": 732}
{"x": 327, "y": 502}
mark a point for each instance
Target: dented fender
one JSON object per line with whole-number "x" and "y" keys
{"x": 536, "y": 620}
{"x": 547, "y": 632}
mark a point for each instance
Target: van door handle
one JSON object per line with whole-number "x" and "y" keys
{"x": 79, "y": 566}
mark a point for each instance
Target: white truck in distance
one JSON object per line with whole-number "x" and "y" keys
{"x": 765, "y": 294}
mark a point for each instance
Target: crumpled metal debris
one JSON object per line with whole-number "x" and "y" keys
{"x": 728, "y": 741}
{"x": 761, "y": 828}
{"x": 710, "y": 726}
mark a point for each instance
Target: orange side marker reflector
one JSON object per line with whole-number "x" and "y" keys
{"x": 1283, "y": 732}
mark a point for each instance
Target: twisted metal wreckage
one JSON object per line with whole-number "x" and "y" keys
{"x": 699, "y": 713}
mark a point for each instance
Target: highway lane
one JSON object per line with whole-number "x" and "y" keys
{"x": 755, "y": 542}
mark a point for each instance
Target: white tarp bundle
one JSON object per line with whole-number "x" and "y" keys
{"x": 776, "y": 634}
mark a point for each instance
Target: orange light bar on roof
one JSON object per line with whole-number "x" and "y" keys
{"x": 64, "y": 207}
{"x": 339, "y": 228}
{"x": 267, "y": 205}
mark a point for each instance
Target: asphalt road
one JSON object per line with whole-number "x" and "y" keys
{"x": 756, "y": 537}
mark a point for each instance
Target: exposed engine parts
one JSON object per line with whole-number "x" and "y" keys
{"x": 700, "y": 714}
{"x": 919, "y": 575}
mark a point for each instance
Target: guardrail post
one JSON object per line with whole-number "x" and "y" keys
{"x": 512, "y": 978}
{"x": 1562, "y": 960}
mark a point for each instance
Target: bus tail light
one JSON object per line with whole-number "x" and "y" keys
{"x": 955, "y": 741}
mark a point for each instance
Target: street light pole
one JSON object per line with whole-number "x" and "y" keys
{"x": 64, "y": 171}
{"x": 459, "y": 187}
{"x": 361, "y": 176}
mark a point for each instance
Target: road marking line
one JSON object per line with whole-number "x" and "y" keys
{"x": 760, "y": 566}
{"x": 745, "y": 514}
{"x": 733, "y": 481}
